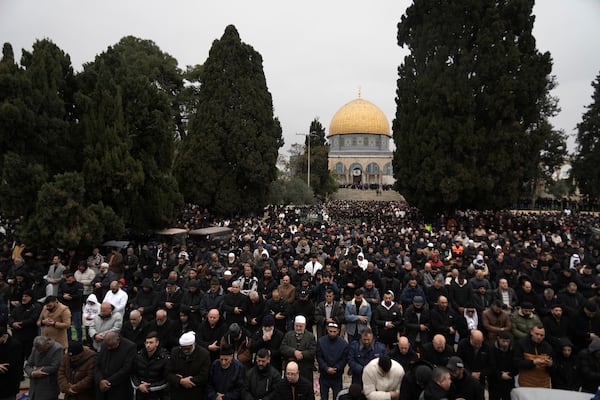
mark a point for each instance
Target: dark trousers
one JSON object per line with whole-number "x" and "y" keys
{"x": 334, "y": 383}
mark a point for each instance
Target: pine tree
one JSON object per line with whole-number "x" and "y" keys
{"x": 586, "y": 162}
{"x": 470, "y": 102}
{"x": 228, "y": 159}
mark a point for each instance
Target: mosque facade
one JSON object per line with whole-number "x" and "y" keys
{"x": 359, "y": 145}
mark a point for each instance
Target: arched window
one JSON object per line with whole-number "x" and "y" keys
{"x": 373, "y": 168}
{"x": 339, "y": 168}
{"x": 388, "y": 170}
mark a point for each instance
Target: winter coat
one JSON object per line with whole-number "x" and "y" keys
{"x": 45, "y": 387}
{"x": 27, "y": 315}
{"x": 260, "y": 384}
{"x": 521, "y": 325}
{"x": 62, "y": 318}
{"x": 102, "y": 326}
{"x": 588, "y": 366}
{"x": 353, "y": 325}
{"x": 412, "y": 323}
{"x": 359, "y": 356}
{"x": 332, "y": 354}
{"x": 146, "y": 300}
{"x": 377, "y": 385}
{"x": 115, "y": 366}
{"x": 303, "y": 390}
{"x": 381, "y": 316}
{"x": 11, "y": 353}
{"x": 91, "y": 309}
{"x": 196, "y": 365}
{"x": 227, "y": 381}
{"x": 337, "y": 314}
{"x": 273, "y": 345}
{"x": 151, "y": 369}
{"x": 307, "y": 345}
{"x": 77, "y": 372}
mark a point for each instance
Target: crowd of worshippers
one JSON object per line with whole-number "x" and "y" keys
{"x": 413, "y": 310}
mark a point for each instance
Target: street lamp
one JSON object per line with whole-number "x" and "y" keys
{"x": 308, "y": 135}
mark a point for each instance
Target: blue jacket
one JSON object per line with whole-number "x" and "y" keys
{"x": 228, "y": 381}
{"x": 353, "y": 326}
{"x": 332, "y": 354}
{"x": 359, "y": 356}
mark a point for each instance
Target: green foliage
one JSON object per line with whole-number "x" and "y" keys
{"x": 61, "y": 218}
{"x": 586, "y": 162}
{"x": 291, "y": 191}
{"x": 228, "y": 159}
{"x": 471, "y": 98}
{"x": 36, "y": 105}
{"x": 131, "y": 107}
{"x": 20, "y": 183}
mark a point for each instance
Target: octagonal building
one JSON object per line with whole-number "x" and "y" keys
{"x": 359, "y": 144}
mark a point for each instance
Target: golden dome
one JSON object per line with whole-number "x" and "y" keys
{"x": 359, "y": 116}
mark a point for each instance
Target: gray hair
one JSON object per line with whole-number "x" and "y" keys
{"x": 40, "y": 341}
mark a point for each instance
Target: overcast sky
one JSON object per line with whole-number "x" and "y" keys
{"x": 317, "y": 54}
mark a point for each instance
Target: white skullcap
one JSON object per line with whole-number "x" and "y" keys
{"x": 187, "y": 339}
{"x": 104, "y": 265}
{"x": 230, "y": 255}
{"x": 300, "y": 319}
{"x": 228, "y": 272}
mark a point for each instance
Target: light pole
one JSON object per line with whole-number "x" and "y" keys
{"x": 308, "y": 136}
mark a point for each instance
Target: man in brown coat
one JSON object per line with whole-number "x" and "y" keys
{"x": 55, "y": 320}
{"x": 495, "y": 320}
{"x": 76, "y": 373}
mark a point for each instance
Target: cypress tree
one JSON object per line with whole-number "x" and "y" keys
{"x": 586, "y": 162}
{"x": 469, "y": 103}
{"x": 228, "y": 159}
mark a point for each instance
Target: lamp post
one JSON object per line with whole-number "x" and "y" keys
{"x": 308, "y": 136}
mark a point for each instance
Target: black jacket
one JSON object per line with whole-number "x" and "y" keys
{"x": 303, "y": 389}
{"x": 151, "y": 369}
{"x": 115, "y": 366}
{"x": 260, "y": 384}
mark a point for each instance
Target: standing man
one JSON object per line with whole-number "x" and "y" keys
{"x": 55, "y": 320}
{"x": 226, "y": 376}
{"x": 106, "y": 321}
{"x": 294, "y": 386}
{"x": 357, "y": 315}
{"x": 269, "y": 338}
{"x": 235, "y": 305}
{"x": 117, "y": 297}
{"x": 135, "y": 329}
{"x": 23, "y": 322}
{"x": 476, "y": 355}
{"x": 360, "y": 352}
{"x": 382, "y": 378}
{"x": 299, "y": 345}
{"x": 533, "y": 357}
{"x": 42, "y": 368}
{"x": 149, "y": 374}
{"x": 54, "y": 276}
{"x": 327, "y": 312}
{"x": 388, "y": 319}
{"x": 188, "y": 369}
{"x": 464, "y": 386}
{"x": 11, "y": 365}
{"x": 502, "y": 379}
{"x": 261, "y": 379}
{"x": 70, "y": 293}
{"x": 332, "y": 355}
{"x": 210, "y": 332}
{"x": 113, "y": 368}
{"x": 76, "y": 373}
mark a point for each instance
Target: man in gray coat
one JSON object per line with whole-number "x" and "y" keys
{"x": 299, "y": 345}
{"x": 42, "y": 368}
